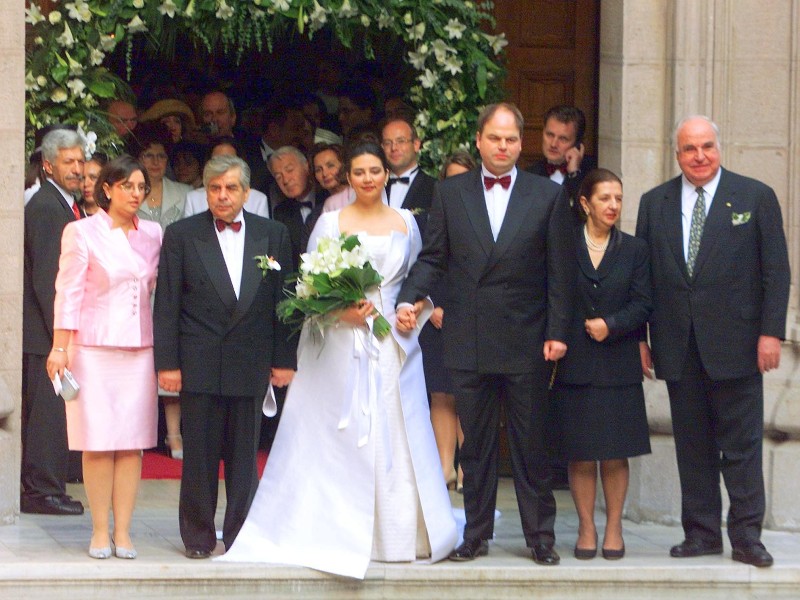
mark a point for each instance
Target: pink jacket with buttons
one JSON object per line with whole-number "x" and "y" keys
{"x": 105, "y": 280}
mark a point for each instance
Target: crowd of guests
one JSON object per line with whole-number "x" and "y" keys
{"x": 507, "y": 289}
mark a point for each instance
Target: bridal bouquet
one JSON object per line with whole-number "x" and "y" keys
{"x": 333, "y": 277}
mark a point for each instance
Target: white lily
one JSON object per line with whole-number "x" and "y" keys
{"x": 281, "y": 4}
{"x": 96, "y": 57}
{"x": 136, "y": 25}
{"x": 76, "y": 86}
{"x": 347, "y": 11}
{"x": 417, "y": 32}
{"x": 441, "y": 49}
{"x": 384, "y": 20}
{"x": 66, "y": 39}
{"x": 33, "y": 15}
{"x": 318, "y": 16}
{"x": 79, "y": 10}
{"x": 54, "y": 17}
{"x": 453, "y": 65}
{"x": 417, "y": 60}
{"x": 428, "y": 79}
{"x": 455, "y": 29}
{"x": 224, "y": 11}
{"x": 168, "y": 8}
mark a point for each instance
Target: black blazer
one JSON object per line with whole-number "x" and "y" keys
{"x": 46, "y": 215}
{"x": 223, "y": 346}
{"x": 740, "y": 288}
{"x": 505, "y": 298}
{"x": 288, "y": 213}
{"x": 618, "y": 291}
{"x": 571, "y": 184}
{"x": 419, "y": 198}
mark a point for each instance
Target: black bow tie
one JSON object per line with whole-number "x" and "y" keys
{"x": 393, "y": 180}
{"x": 306, "y": 204}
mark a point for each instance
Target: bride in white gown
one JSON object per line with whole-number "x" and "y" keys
{"x": 354, "y": 473}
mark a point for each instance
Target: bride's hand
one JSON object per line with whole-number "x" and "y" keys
{"x": 355, "y": 315}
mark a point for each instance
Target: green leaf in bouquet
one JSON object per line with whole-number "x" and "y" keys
{"x": 380, "y": 326}
{"x": 350, "y": 242}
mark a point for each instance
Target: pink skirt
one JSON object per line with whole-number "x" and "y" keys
{"x": 117, "y": 405}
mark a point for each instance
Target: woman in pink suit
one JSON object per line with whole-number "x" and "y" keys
{"x": 104, "y": 334}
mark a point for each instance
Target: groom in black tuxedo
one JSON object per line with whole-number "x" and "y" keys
{"x": 504, "y": 238}
{"x": 219, "y": 343}
{"x": 720, "y": 272}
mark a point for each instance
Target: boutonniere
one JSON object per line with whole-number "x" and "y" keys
{"x": 267, "y": 264}
{"x": 416, "y": 211}
{"x": 740, "y": 218}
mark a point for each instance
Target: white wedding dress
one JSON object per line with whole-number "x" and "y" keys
{"x": 354, "y": 473}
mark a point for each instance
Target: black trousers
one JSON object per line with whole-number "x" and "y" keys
{"x": 718, "y": 428}
{"x": 478, "y": 401}
{"x": 217, "y": 428}
{"x": 45, "y": 454}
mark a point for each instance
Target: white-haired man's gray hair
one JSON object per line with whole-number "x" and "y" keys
{"x": 683, "y": 122}
{"x": 287, "y": 151}
{"x": 58, "y": 139}
{"x": 219, "y": 165}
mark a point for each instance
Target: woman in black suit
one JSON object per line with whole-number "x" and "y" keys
{"x": 599, "y": 394}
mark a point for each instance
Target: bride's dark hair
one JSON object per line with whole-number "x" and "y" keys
{"x": 362, "y": 148}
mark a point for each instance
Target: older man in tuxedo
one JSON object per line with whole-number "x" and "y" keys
{"x": 720, "y": 273}
{"x": 219, "y": 343}
{"x": 45, "y": 453}
{"x": 504, "y": 238}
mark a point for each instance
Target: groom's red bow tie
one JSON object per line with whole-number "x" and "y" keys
{"x": 489, "y": 182}
{"x": 221, "y": 225}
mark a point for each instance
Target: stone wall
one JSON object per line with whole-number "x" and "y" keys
{"x": 12, "y": 131}
{"x": 739, "y": 63}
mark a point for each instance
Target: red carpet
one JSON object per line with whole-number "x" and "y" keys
{"x": 157, "y": 465}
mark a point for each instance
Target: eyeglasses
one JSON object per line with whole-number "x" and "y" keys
{"x": 397, "y": 142}
{"x": 128, "y": 187}
{"x": 154, "y": 157}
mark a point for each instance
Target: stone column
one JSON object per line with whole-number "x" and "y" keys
{"x": 739, "y": 63}
{"x": 12, "y": 133}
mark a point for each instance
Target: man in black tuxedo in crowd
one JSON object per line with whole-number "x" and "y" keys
{"x": 219, "y": 343}
{"x": 720, "y": 272}
{"x": 565, "y": 160}
{"x": 408, "y": 186}
{"x": 504, "y": 239}
{"x": 303, "y": 206}
{"x": 45, "y": 452}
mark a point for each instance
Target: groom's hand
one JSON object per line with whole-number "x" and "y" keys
{"x": 170, "y": 381}
{"x": 281, "y": 377}
{"x": 406, "y": 317}
{"x": 554, "y": 350}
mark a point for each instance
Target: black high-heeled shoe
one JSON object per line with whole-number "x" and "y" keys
{"x": 610, "y": 554}
{"x": 586, "y": 553}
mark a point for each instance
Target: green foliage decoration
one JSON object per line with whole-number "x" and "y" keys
{"x": 457, "y": 65}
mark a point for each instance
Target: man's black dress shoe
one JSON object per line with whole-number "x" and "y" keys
{"x": 50, "y": 505}
{"x": 692, "y": 548}
{"x": 194, "y": 553}
{"x": 753, "y": 554}
{"x": 470, "y": 550}
{"x": 544, "y": 554}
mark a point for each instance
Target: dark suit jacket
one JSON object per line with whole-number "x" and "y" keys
{"x": 223, "y": 346}
{"x": 505, "y": 298}
{"x": 571, "y": 184}
{"x": 740, "y": 288}
{"x": 618, "y": 291}
{"x": 46, "y": 215}
{"x": 289, "y": 214}
{"x": 419, "y": 198}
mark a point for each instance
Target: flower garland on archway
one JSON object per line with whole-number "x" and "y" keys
{"x": 456, "y": 63}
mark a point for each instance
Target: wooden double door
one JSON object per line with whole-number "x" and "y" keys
{"x": 552, "y": 58}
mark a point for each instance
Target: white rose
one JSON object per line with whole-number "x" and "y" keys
{"x": 59, "y": 95}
